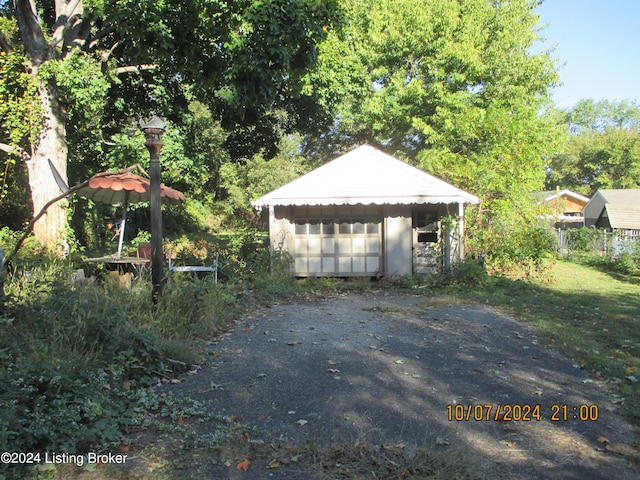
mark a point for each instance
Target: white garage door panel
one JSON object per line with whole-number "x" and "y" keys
{"x": 373, "y": 265}
{"x": 358, "y": 265}
{"x": 358, "y": 245}
{"x": 314, "y": 245}
{"x": 353, "y": 247}
{"x": 328, "y": 245}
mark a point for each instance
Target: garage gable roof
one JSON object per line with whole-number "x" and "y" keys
{"x": 365, "y": 176}
{"x": 620, "y": 217}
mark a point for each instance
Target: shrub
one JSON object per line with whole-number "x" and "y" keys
{"x": 77, "y": 359}
{"x": 525, "y": 250}
{"x": 583, "y": 240}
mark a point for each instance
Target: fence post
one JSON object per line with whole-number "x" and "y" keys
{"x": 560, "y": 241}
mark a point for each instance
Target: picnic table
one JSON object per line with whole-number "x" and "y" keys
{"x": 121, "y": 264}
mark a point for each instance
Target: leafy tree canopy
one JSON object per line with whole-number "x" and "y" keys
{"x": 99, "y": 66}
{"x": 603, "y": 150}
{"x": 455, "y": 87}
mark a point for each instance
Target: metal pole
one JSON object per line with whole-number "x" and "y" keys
{"x": 153, "y": 131}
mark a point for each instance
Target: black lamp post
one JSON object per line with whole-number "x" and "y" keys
{"x": 153, "y": 130}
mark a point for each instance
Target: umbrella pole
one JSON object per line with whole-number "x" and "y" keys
{"x": 123, "y": 223}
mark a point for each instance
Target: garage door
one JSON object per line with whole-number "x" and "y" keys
{"x": 338, "y": 247}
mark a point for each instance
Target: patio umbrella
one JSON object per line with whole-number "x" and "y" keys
{"x": 124, "y": 188}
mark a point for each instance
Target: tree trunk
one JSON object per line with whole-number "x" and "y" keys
{"x": 51, "y": 145}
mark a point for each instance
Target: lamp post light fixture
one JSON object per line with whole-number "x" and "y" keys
{"x": 153, "y": 130}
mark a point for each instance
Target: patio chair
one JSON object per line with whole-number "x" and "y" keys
{"x": 144, "y": 251}
{"x": 198, "y": 269}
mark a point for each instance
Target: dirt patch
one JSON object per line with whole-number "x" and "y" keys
{"x": 391, "y": 369}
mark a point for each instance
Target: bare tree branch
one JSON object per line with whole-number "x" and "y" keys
{"x": 33, "y": 221}
{"x": 13, "y": 149}
{"x": 32, "y": 35}
{"x": 135, "y": 68}
{"x": 69, "y": 23}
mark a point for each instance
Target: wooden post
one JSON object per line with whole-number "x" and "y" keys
{"x": 153, "y": 130}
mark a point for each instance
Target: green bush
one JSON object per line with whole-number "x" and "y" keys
{"x": 77, "y": 358}
{"x": 525, "y": 250}
{"x": 583, "y": 240}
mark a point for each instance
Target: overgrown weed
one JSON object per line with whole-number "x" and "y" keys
{"x": 80, "y": 358}
{"x": 358, "y": 460}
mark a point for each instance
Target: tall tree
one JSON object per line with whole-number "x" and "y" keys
{"x": 244, "y": 58}
{"x": 457, "y": 88}
{"x": 602, "y": 150}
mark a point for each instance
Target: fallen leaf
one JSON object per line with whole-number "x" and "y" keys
{"x": 244, "y": 466}
{"x": 124, "y": 446}
{"x": 302, "y": 422}
{"x": 399, "y": 362}
{"x": 273, "y": 464}
{"x": 333, "y": 370}
{"x": 293, "y": 343}
{"x": 331, "y": 362}
{"x": 602, "y": 439}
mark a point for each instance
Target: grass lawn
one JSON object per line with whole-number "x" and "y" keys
{"x": 591, "y": 316}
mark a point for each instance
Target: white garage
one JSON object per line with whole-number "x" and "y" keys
{"x": 365, "y": 214}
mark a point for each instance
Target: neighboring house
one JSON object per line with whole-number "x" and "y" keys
{"x": 566, "y": 207}
{"x": 620, "y": 218}
{"x": 613, "y": 209}
{"x": 366, "y": 213}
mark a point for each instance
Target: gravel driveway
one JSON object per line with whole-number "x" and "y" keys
{"x": 392, "y": 368}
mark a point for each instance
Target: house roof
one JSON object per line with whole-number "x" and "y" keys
{"x": 365, "y": 176}
{"x": 626, "y": 196}
{"x": 624, "y": 217}
{"x": 549, "y": 195}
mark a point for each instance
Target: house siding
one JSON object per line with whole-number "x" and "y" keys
{"x": 593, "y": 209}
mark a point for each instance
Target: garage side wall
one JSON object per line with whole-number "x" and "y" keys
{"x": 398, "y": 238}
{"x": 280, "y": 235}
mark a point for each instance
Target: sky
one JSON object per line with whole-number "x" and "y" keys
{"x": 598, "y": 41}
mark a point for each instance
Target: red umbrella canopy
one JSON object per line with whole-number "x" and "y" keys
{"x": 123, "y": 188}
